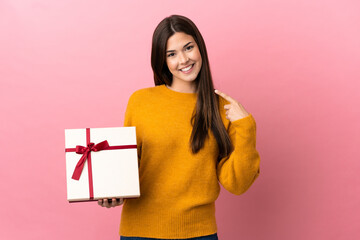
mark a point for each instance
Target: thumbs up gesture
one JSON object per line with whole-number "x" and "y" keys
{"x": 234, "y": 110}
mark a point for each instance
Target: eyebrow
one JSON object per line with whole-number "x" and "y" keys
{"x": 183, "y": 47}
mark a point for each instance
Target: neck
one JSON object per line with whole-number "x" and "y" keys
{"x": 183, "y": 87}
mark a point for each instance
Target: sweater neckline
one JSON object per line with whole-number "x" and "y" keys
{"x": 178, "y": 95}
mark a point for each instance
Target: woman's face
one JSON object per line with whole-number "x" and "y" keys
{"x": 183, "y": 57}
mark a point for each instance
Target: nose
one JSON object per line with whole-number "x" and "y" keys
{"x": 183, "y": 58}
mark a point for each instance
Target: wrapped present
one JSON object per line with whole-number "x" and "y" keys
{"x": 101, "y": 163}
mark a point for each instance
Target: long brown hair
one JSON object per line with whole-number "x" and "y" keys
{"x": 206, "y": 113}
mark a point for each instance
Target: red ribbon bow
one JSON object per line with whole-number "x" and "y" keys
{"x": 85, "y": 151}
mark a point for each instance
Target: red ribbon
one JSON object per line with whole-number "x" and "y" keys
{"x": 85, "y": 151}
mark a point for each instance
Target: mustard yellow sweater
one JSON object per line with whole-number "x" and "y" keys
{"x": 178, "y": 189}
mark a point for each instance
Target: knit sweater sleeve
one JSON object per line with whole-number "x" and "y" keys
{"x": 128, "y": 117}
{"x": 130, "y": 120}
{"x": 239, "y": 170}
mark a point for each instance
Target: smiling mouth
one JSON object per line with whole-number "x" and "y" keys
{"x": 187, "y": 68}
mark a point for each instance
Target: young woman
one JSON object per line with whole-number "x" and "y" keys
{"x": 189, "y": 139}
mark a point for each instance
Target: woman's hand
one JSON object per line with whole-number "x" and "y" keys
{"x": 108, "y": 203}
{"x": 235, "y": 110}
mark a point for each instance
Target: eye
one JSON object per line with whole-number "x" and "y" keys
{"x": 170, "y": 55}
{"x": 189, "y": 47}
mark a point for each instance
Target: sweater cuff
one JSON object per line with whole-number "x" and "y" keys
{"x": 246, "y": 122}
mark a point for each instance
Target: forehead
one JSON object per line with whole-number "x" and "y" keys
{"x": 178, "y": 40}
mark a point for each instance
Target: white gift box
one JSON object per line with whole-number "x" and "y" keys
{"x": 108, "y": 173}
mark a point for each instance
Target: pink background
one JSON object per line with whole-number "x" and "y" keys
{"x": 293, "y": 64}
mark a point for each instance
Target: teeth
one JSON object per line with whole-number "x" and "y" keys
{"x": 186, "y": 69}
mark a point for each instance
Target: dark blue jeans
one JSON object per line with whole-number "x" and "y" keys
{"x": 208, "y": 237}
